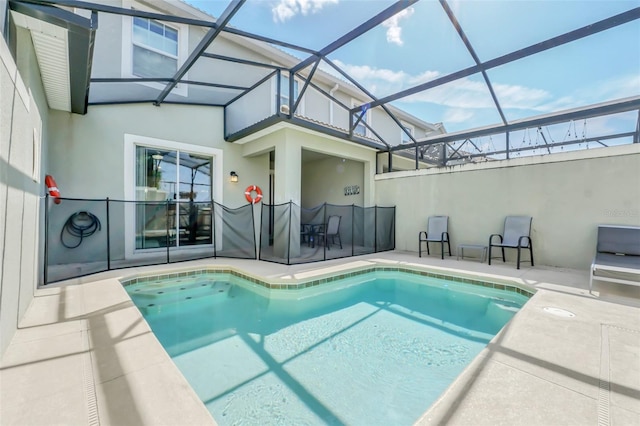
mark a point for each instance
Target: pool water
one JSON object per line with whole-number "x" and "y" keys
{"x": 375, "y": 349}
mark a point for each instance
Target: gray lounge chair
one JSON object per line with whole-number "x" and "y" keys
{"x": 617, "y": 256}
{"x": 330, "y": 231}
{"x": 437, "y": 232}
{"x": 517, "y": 235}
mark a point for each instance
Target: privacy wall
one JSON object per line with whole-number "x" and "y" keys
{"x": 23, "y": 117}
{"x": 567, "y": 195}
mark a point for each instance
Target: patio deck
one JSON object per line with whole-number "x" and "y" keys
{"x": 84, "y": 355}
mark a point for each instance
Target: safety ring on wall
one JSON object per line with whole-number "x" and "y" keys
{"x": 249, "y": 190}
{"x": 53, "y": 188}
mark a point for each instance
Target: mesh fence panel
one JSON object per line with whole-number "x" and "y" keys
{"x": 234, "y": 232}
{"x": 325, "y": 232}
{"x": 364, "y": 230}
{"x": 385, "y": 228}
{"x": 76, "y": 239}
{"x": 275, "y": 233}
{"x": 89, "y": 236}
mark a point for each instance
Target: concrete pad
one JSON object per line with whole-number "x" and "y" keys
{"x": 113, "y": 357}
{"x": 35, "y": 369}
{"x": 84, "y": 348}
{"x": 501, "y": 394}
{"x": 151, "y": 396}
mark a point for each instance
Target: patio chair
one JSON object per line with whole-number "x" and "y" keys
{"x": 305, "y": 233}
{"x": 516, "y": 234}
{"x": 331, "y": 230}
{"x": 617, "y": 258}
{"x": 437, "y": 232}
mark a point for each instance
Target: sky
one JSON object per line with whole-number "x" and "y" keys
{"x": 420, "y": 44}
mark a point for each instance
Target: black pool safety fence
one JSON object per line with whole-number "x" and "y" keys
{"x": 290, "y": 234}
{"x": 86, "y": 236}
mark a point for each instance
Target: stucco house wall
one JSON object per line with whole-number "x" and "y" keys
{"x": 23, "y": 132}
{"x": 87, "y": 154}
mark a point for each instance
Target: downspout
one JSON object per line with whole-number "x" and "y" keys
{"x": 331, "y": 92}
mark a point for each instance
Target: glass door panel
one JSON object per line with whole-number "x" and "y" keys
{"x": 194, "y": 199}
{"x": 155, "y": 217}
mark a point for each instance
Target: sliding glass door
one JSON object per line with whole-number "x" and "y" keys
{"x": 173, "y": 190}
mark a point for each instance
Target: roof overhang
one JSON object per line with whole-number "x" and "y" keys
{"x": 63, "y": 43}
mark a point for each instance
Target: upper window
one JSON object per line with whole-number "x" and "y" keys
{"x": 404, "y": 138}
{"x": 360, "y": 129}
{"x": 155, "y": 49}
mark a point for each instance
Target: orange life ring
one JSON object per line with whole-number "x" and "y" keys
{"x": 53, "y": 188}
{"x": 249, "y": 190}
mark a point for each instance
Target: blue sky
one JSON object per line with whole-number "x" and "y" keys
{"x": 420, "y": 44}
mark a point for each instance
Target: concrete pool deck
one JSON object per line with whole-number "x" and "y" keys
{"x": 83, "y": 354}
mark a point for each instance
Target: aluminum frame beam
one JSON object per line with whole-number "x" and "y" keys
{"x": 167, "y": 18}
{"x": 390, "y": 11}
{"x": 565, "y": 38}
{"x": 222, "y": 22}
{"x": 472, "y": 52}
{"x": 605, "y": 108}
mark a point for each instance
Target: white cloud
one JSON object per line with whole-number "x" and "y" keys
{"x": 614, "y": 88}
{"x": 394, "y": 30}
{"x": 457, "y": 115}
{"x": 463, "y": 93}
{"x": 463, "y": 96}
{"x": 287, "y": 9}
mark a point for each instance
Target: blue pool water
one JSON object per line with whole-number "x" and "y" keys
{"x": 378, "y": 348}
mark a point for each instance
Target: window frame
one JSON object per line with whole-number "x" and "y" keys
{"x": 132, "y": 141}
{"x": 366, "y": 118}
{"x": 128, "y": 43}
{"x": 404, "y": 139}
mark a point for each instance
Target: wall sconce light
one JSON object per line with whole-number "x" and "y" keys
{"x": 233, "y": 177}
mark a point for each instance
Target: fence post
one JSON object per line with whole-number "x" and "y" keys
{"x": 289, "y": 240}
{"x": 353, "y": 218}
{"x": 108, "y": 239}
{"x": 213, "y": 221}
{"x": 324, "y": 224}
{"x": 167, "y": 226}
{"x": 253, "y": 222}
{"x": 394, "y": 227}
{"x": 46, "y": 238}
{"x": 375, "y": 229}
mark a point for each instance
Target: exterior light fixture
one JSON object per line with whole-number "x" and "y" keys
{"x": 233, "y": 177}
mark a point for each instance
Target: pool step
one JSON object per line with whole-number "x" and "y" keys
{"x": 162, "y": 290}
{"x": 159, "y": 298}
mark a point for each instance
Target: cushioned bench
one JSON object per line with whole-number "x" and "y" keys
{"x": 617, "y": 255}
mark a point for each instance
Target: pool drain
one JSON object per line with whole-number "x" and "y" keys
{"x": 559, "y": 312}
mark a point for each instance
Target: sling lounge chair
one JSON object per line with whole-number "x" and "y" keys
{"x": 517, "y": 230}
{"x": 437, "y": 232}
{"x": 330, "y": 232}
{"x": 617, "y": 256}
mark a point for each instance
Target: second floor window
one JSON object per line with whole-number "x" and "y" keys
{"x": 403, "y": 135}
{"x": 155, "y": 49}
{"x": 360, "y": 128}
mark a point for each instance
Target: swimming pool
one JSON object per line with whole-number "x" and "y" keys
{"x": 372, "y": 348}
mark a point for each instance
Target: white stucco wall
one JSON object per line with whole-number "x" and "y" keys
{"x": 567, "y": 195}
{"x": 324, "y": 181}
{"x": 87, "y": 156}
{"x": 305, "y": 139}
{"x": 23, "y": 125}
